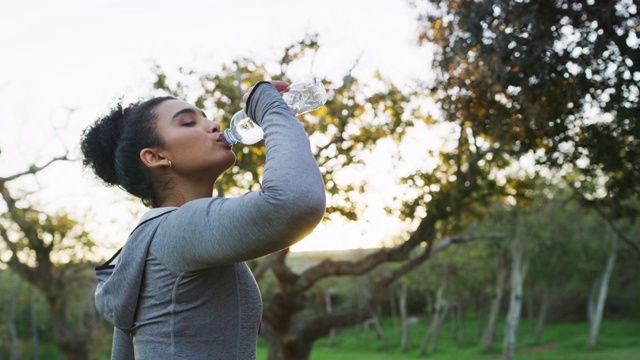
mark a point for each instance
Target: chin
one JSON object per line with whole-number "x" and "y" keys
{"x": 224, "y": 167}
{"x": 231, "y": 162}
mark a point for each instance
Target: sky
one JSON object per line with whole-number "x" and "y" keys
{"x": 64, "y": 63}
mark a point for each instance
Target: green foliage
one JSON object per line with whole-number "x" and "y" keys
{"x": 565, "y": 244}
{"x": 31, "y": 233}
{"x": 557, "y": 80}
{"x": 32, "y": 317}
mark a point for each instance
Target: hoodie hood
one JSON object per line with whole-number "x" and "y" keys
{"x": 120, "y": 278}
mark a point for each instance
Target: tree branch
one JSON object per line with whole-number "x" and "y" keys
{"x": 263, "y": 266}
{"x": 280, "y": 268}
{"x": 33, "y": 169}
{"x": 424, "y": 233}
{"x": 320, "y": 326}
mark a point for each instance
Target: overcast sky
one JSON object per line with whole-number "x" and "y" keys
{"x": 64, "y": 62}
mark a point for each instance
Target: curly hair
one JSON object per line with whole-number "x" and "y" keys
{"x": 111, "y": 147}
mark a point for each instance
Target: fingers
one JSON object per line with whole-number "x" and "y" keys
{"x": 281, "y": 86}
{"x": 246, "y": 95}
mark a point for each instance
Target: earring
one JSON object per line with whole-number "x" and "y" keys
{"x": 170, "y": 164}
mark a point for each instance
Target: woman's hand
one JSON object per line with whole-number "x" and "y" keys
{"x": 281, "y": 86}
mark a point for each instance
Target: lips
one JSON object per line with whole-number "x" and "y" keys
{"x": 220, "y": 139}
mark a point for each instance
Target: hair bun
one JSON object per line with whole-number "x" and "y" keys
{"x": 100, "y": 141}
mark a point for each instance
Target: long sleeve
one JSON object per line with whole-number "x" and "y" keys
{"x": 216, "y": 231}
{"x": 122, "y": 348}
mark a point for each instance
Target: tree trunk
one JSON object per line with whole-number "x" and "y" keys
{"x": 457, "y": 319}
{"x": 394, "y": 313}
{"x": 481, "y": 315}
{"x": 439, "y": 315}
{"x": 284, "y": 348}
{"x": 530, "y": 311}
{"x": 73, "y": 345}
{"x": 454, "y": 322}
{"x": 328, "y": 301}
{"x": 461, "y": 323}
{"x": 404, "y": 318}
{"x": 35, "y": 343}
{"x": 518, "y": 274}
{"x": 599, "y": 295}
{"x": 291, "y": 337}
{"x": 378, "y": 326}
{"x": 15, "y": 342}
{"x": 496, "y": 302}
{"x": 12, "y": 308}
{"x": 542, "y": 314}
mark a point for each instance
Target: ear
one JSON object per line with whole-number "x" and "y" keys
{"x": 152, "y": 158}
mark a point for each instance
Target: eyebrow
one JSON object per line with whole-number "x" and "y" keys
{"x": 187, "y": 110}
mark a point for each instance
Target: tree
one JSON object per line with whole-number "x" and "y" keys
{"x": 599, "y": 293}
{"x": 524, "y": 228}
{"x": 11, "y": 298}
{"x": 349, "y": 127}
{"x": 439, "y": 314}
{"x": 553, "y": 252}
{"x": 452, "y": 283}
{"x": 499, "y": 289}
{"x": 553, "y": 80}
{"x": 43, "y": 250}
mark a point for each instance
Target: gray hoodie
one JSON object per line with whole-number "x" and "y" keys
{"x": 179, "y": 288}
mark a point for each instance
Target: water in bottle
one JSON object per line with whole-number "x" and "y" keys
{"x": 305, "y": 95}
{"x": 242, "y": 130}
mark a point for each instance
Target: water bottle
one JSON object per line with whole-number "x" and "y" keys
{"x": 304, "y": 95}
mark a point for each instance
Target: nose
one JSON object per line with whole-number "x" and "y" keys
{"x": 215, "y": 127}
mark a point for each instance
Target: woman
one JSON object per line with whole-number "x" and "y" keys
{"x": 179, "y": 288}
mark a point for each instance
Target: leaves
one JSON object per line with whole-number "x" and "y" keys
{"x": 556, "y": 80}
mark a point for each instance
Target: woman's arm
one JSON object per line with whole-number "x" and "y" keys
{"x": 214, "y": 231}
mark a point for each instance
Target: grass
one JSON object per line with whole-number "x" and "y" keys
{"x": 618, "y": 340}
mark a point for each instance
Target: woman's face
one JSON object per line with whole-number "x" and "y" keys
{"x": 191, "y": 141}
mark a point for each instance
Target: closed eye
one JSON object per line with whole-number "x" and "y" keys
{"x": 181, "y": 112}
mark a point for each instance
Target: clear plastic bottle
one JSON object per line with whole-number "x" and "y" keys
{"x": 304, "y": 95}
